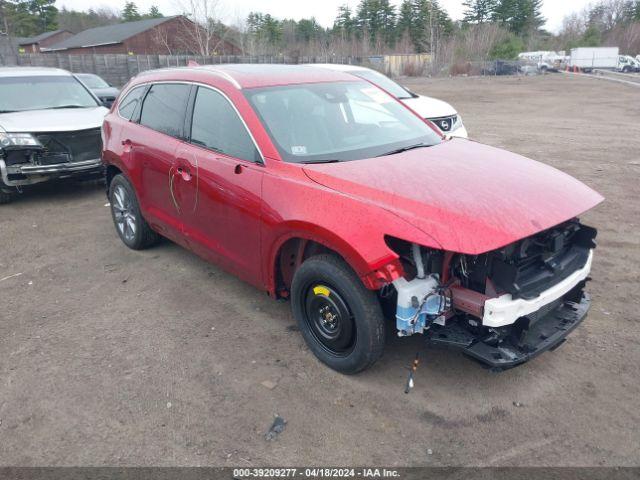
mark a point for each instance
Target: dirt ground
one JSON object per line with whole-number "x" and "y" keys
{"x": 115, "y": 357}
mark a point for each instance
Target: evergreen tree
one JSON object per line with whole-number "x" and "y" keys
{"x": 405, "y": 18}
{"x": 265, "y": 29}
{"x": 130, "y": 12}
{"x": 307, "y": 29}
{"x": 26, "y": 18}
{"x": 519, "y": 16}
{"x": 430, "y": 24}
{"x": 378, "y": 19}
{"x": 154, "y": 12}
{"x": 345, "y": 21}
{"x": 478, "y": 11}
{"x": 388, "y": 20}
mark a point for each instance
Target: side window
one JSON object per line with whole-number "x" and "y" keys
{"x": 216, "y": 125}
{"x": 163, "y": 108}
{"x": 128, "y": 104}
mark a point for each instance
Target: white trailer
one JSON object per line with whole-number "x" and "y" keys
{"x": 588, "y": 58}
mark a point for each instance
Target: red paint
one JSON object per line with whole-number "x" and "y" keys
{"x": 458, "y": 196}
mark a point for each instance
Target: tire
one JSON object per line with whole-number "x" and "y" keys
{"x": 132, "y": 228}
{"x": 626, "y": 69}
{"x": 341, "y": 321}
{"x": 5, "y": 197}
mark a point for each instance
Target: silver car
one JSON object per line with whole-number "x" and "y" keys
{"x": 49, "y": 128}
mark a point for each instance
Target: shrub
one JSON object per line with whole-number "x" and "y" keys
{"x": 507, "y": 49}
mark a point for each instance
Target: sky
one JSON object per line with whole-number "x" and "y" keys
{"x": 324, "y": 11}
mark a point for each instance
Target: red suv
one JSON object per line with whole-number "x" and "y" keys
{"x": 320, "y": 187}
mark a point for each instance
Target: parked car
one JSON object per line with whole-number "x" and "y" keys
{"x": 321, "y": 188}
{"x": 543, "y": 61}
{"x": 501, "y": 67}
{"x": 628, "y": 64}
{"x": 49, "y": 128}
{"x": 443, "y": 115}
{"x": 105, "y": 92}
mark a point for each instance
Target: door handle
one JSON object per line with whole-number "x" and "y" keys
{"x": 126, "y": 142}
{"x": 184, "y": 173}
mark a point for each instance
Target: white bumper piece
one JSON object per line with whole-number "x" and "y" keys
{"x": 504, "y": 310}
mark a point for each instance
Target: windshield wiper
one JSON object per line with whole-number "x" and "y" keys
{"x": 321, "y": 161}
{"x": 65, "y": 106}
{"x": 404, "y": 149}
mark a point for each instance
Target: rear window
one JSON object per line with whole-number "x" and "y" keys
{"x": 383, "y": 82}
{"x": 92, "y": 81}
{"x": 164, "y": 107}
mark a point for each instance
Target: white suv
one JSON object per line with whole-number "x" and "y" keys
{"x": 49, "y": 128}
{"x": 443, "y": 115}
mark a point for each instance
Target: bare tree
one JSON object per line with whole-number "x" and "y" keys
{"x": 202, "y": 32}
{"x": 161, "y": 36}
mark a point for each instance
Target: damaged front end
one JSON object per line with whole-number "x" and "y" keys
{"x": 26, "y": 158}
{"x": 502, "y": 307}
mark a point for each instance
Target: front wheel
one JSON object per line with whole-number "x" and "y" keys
{"x": 340, "y": 320}
{"x": 5, "y": 197}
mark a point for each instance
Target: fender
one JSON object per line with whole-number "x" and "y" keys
{"x": 374, "y": 272}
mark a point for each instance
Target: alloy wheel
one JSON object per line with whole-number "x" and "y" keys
{"x": 123, "y": 213}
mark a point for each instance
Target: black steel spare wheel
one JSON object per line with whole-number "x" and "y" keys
{"x": 330, "y": 320}
{"x": 341, "y": 321}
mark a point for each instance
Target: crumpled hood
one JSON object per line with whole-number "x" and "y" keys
{"x": 470, "y": 198}
{"x": 428, "y": 107}
{"x": 61, "y": 120}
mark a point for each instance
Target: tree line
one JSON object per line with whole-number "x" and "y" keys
{"x": 28, "y": 18}
{"x": 489, "y": 28}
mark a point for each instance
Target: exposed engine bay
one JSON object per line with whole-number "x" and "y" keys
{"x": 50, "y": 155}
{"x": 501, "y": 307}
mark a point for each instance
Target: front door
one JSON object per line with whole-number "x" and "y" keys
{"x": 220, "y": 195}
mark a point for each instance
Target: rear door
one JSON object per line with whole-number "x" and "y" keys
{"x": 222, "y": 207}
{"x": 155, "y": 143}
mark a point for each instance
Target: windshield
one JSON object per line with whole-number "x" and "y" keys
{"x": 18, "y": 94}
{"x": 93, "y": 81}
{"x": 383, "y": 82}
{"x": 319, "y": 122}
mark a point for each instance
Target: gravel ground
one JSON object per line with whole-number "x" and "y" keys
{"x": 115, "y": 357}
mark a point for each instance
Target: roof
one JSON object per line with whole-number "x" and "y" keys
{"x": 109, "y": 34}
{"x": 247, "y": 75}
{"x": 268, "y": 75}
{"x": 338, "y": 67}
{"x": 32, "y": 71}
{"x": 40, "y": 38}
